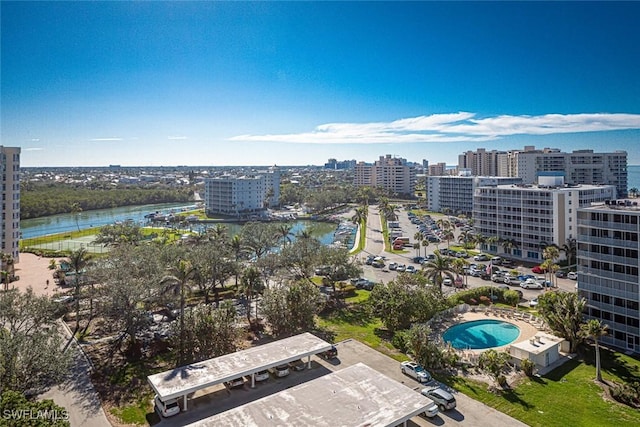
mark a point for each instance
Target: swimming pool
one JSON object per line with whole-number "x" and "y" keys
{"x": 480, "y": 334}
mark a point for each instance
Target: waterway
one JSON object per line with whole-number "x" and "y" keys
{"x": 326, "y": 232}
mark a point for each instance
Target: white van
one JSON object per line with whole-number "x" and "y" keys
{"x": 168, "y": 408}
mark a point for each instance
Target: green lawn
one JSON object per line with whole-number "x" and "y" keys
{"x": 567, "y": 396}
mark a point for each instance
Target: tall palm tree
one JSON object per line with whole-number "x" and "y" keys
{"x": 508, "y": 245}
{"x": 444, "y": 224}
{"x": 425, "y": 244}
{"x": 237, "y": 248}
{"x": 78, "y": 261}
{"x": 551, "y": 253}
{"x": 438, "y": 268}
{"x": 176, "y": 282}
{"x": 479, "y": 240}
{"x": 416, "y": 246}
{"x": 570, "y": 249}
{"x": 76, "y": 210}
{"x": 359, "y": 216}
{"x": 633, "y": 192}
{"x": 448, "y": 236}
{"x": 284, "y": 232}
{"x": 465, "y": 238}
{"x": 595, "y": 330}
{"x": 218, "y": 233}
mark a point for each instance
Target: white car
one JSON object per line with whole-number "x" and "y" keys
{"x": 401, "y": 267}
{"x": 447, "y": 282}
{"x": 572, "y": 275}
{"x": 431, "y": 411}
{"x": 235, "y": 383}
{"x": 481, "y": 257}
{"x": 393, "y": 265}
{"x": 533, "y": 302}
{"x": 168, "y": 408}
{"x": 262, "y": 375}
{"x": 415, "y": 371}
{"x": 442, "y": 398}
{"x": 531, "y": 284}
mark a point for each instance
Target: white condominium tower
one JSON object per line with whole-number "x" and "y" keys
{"x": 526, "y": 217}
{"x": 608, "y": 269}
{"x": 10, "y": 235}
{"x": 241, "y": 195}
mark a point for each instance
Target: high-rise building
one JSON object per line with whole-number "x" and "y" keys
{"x": 438, "y": 169}
{"x": 242, "y": 195}
{"x": 527, "y": 217}
{"x": 455, "y": 193}
{"x": 579, "y": 167}
{"x": 482, "y": 162}
{"x": 608, "y": 243}
{"x": 10, "y": 235}
{"x": 390, "y": 173}
{"x": 340, "y": 165}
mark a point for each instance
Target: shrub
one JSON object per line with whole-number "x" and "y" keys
{"x": 485, "y": 300}
{"x": 625, "y": 393}
{"x": 502, "y": 381}
{"x": 527, "y": 367}
{"x": 400, "y": 340}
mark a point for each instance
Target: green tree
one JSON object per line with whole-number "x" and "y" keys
{"x": 570, "y": 249}
{"x": 595, "y": 329}
{"x": 210, "y": 331}
{"x": 438, "y": 268}
{"x": 177, "y": 282}
{"x": 427, "y": 352}
{"x": 78, "y": 261}
{"x": 76, "y": 210}
{"x": 253, "y": 285}
{"x": 31, "y": 350}
{"x": 291, "y": 309}
{"x": 562, "y": 311}
{"x": 495, "y": 364}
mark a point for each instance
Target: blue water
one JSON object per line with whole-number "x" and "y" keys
{"x": 633, "y": 176}
{"x": 481, "y": 334}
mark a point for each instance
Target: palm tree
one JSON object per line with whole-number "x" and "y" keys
{"x": 595, "y": 330}
{"x": 438, "y": 268}
{"x": 465, "y": 238}
{"x": 425, "y": 244}
{"x": 176, "y": 282}
{"x": 570, "y": 249}
{"x": 76, "y": 210}
{"x": 78, "y": 261}
{"x": 444, "y": 224}
{"x": 416, "y": 246}
{"x": 218, "y": 233}
{"x": 448, "y": 236}
{"x": 551, "y": 253}
{"x": 633, "y": 192}
{"x": 359, "y": 216}
{"x": 237, "y": 248}
{"x": 8, "y": 266}
{"x": 479, "y": 240}
{"x": 284, "y": 231}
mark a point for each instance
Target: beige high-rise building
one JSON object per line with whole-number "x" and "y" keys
{"x": 10, "y": 235}
{"x": 390, "y": 173}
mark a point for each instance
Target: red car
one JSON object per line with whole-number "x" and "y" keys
{"x": 538, "y": 269}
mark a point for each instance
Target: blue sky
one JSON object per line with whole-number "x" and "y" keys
{"x": 259, "y": 83}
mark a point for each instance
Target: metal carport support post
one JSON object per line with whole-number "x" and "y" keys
{"x": 309, "y": 362}
{"x": 253, "y": 380}
{"x": 184, "y": 402}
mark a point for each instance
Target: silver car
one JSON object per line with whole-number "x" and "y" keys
{"x": 442, "y": 398}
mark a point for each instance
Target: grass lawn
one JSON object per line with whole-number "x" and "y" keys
{"x": 567, "y": 396}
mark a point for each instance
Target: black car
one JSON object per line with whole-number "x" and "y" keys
{"x": 561, "y": 274}
{"x": 418, "y": 260}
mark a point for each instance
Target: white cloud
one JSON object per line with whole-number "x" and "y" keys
{"x": 456, "y": 127}
{"x": 177, "y": 138}
{"x": 33, "y": 149}
{"x": 105, "y": 139}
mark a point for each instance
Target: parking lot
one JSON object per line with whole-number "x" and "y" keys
{"x": 375, "y": 247}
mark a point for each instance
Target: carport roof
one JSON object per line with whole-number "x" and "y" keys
{"x": 354, "y": 396}
{"x": 190, "y": 378}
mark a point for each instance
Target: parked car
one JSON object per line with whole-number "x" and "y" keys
{"x": 415, "y": 371}
{"x": 431, "y": 411}
{"x": 411, "y": 269}
{"x": 507, "y": 263}
{"x": 442, "y": 398}
{"x": 497, "y": 277}
{"x": 496, "y": 260}
{"x": 533, "y": 302}
{"x": 531, "y": 284}
{"x": 538, "y": 269}
{"x": 332, "y": 353}
{"x": 418, "y": 260}
{"x": 235, "y": 383}
{"x": 572, "y": 275}
{"x": 280, "y": 371}
{"x": 447, "y": 282}
{"x": 262, "y": 375}
{"x": 168, "y": 408}
{"x": 393, "y": 265}
{"x": 561, "y": 274}
{"x": 512, "y": 281}
{"x": 481, "y": 257}
{"x": 401, "y": 267}
{"x": 298, "y": 365}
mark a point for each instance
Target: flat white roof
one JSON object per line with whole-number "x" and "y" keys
{"x": 539, "y": 343}
{"x": 354, "y": 396}
{"x": 190, "y": 378}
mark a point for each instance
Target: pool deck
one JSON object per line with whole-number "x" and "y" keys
{"x": 527, "y": 330}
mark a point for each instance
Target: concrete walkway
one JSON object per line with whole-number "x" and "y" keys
{"x": 76, "y": 394}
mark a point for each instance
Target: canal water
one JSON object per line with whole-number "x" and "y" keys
{"x": 326, "y": 232}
